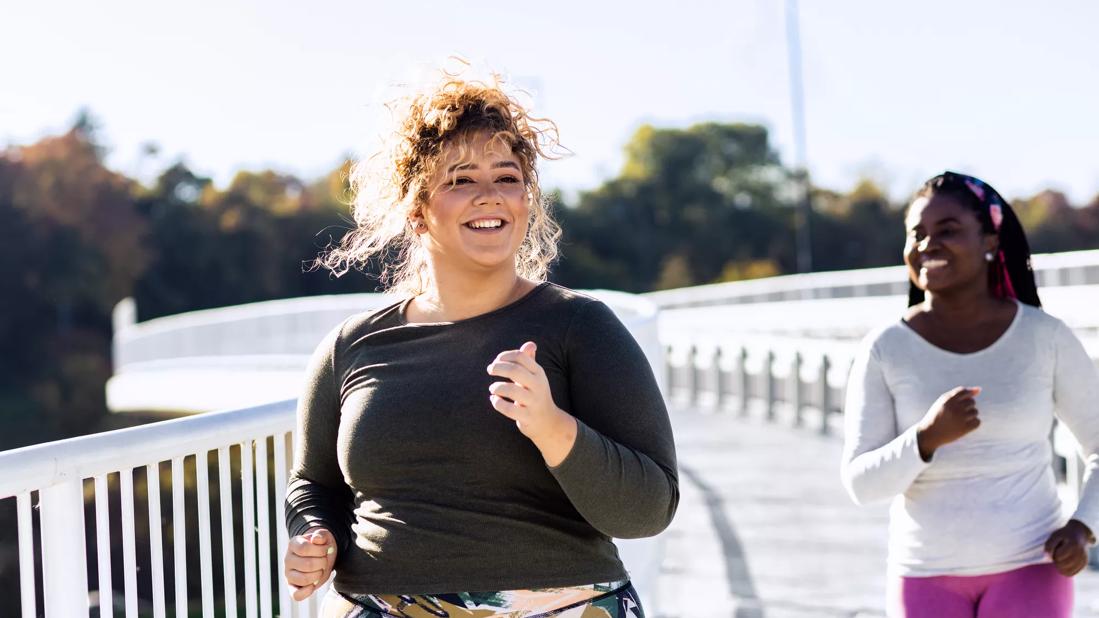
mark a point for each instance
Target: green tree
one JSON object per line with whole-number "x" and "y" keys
{"x": 73, "y": 246}
{"x": 858, "y": 229}
{"x": 711, "y": 194}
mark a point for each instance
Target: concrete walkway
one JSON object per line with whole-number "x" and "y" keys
{"x": 765, "y": 529}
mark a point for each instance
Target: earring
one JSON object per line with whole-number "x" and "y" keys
{"x": 417, "y": 225}
{"x": 988, "y": 256}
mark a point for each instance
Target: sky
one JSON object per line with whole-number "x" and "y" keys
{"x": 894, "y": 91}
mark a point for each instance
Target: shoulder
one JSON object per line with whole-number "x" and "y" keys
{"x": 363, "y": 323}
{"x": 565, "y": 305}
{"x": 567, "y": 298}
{"x": 1034, "y": 318}
{"x": 1039, "y": 331}
{"x": 1048, "y": 332}
{"x": 885, "y": 338}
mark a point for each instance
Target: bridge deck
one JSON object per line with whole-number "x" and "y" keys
{"x": 765, "y": 529}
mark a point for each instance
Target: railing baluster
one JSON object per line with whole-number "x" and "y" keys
{"x": 718, "y": 380}
{"x": 281, "y": 442}
{"x": 156, "y": 539}
{"x": 65, "y": 580}
{"x": 179, "y": 536}
{"x": 263, "y": 508}
{"x": 745, "y": 381}
{"x": 669, "y": 372}
{"x": 27, "y": 593}
{"x": 103, "y": 547}
{"x": 129, "y": 542}
{"x": 228, "y": 549}
{"x": 825, "y": 394}
{"x": 798, "y": 397}
{"x": 202, "y": 473}
{"x": 769, "y": 380}
{"x": 692, "y": 376}
{"x": 248, "y": 519}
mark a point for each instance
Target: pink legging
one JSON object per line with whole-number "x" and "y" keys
{"x": 1027, "y": 592}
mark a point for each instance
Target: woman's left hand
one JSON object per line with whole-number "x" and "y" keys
{"x": 1068, "y": 547}
{"x": 527, "y": 400}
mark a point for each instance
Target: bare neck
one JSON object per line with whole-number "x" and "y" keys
{"x": 453, "y": 295}
{"x": 962, "y": 307}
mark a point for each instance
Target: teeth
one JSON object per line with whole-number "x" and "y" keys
{"x": 485, "y": 223}
{"x": 933, "y": 263}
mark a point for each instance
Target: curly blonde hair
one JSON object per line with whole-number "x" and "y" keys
{"x": 393, "y": 185}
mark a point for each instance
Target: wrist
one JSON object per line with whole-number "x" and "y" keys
{"x": 1082, "y": 529}
{"x": 926, "y": 443}
{"x": 557, "y": 438}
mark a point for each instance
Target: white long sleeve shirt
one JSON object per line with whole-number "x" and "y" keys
{"x": 987, "y": 502}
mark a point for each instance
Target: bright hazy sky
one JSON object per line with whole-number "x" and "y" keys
{"x": 1007, "y": 90}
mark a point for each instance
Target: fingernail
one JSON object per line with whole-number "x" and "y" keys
{"x": 316, "y": 582}
{"x": 331, "y": 550}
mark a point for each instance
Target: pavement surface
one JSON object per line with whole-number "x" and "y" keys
{"x": 765, "y": 530}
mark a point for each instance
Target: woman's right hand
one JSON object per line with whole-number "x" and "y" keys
{"x": 308, "y": 562}
{"x": 953, "y": 415}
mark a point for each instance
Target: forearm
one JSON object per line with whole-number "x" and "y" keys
{"x": 310, "y": 504}
{"x": 620, "y": 491}
{"x": 884, "y": 472}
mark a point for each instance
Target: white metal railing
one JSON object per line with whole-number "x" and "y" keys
{"x": 129, "y": 468}
{"x": 240, "y": 356}
{"x": 237, "y": 524}
{"x": 210, "y": 487}
{"x": 800, "y": 382}
{"x": 1051, "y": 269}
{"x": 229, "y": 357}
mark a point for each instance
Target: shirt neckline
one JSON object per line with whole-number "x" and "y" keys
{"x": 402, "y": 310}
{"x": 995, "y": 344}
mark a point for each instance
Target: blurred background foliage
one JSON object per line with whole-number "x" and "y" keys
{"x": 697, "y": 205}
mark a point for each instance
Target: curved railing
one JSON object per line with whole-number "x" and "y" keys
{"x": 153, "y": 494}
{"x": 250, "y": 354}
{"x": 1051, "y": 269}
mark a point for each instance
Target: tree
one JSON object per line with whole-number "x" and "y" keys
{"x": 711, "y": 194}
{"x": 74, "y": 244}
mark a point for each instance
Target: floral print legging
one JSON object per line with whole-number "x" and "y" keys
{"x": 606, "y": 600}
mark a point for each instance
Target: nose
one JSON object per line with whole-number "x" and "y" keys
{"x": 491, "y": 195}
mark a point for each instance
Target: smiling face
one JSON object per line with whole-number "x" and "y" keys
{"x": 478, "y": 208}
{"x": 946, "y": 245}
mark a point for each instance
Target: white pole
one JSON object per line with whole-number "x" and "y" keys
{"x": 64, "y": 568}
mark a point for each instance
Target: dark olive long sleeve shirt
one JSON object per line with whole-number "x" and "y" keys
{"x": 428, "y": 489}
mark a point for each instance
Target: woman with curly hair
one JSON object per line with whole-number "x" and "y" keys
{"x": 472, "y": 449}
{"x": 949, "y": 412}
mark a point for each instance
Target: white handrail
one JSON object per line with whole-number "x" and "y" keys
{"x": 42, "y": 465}
{"x": 57, "y": 472}
{"x": 1052, "y": 269}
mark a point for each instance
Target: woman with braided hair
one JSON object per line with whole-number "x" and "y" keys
{"x": 949, "y": 413}
{"x": 471, "y": 449}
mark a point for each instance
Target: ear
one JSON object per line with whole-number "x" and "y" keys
{"x": 991, "y": 243}
{"x": 416, "y": 223}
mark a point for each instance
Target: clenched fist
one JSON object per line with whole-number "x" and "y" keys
{"x": 953, "y": 415}
{"x": 308, "y": 563}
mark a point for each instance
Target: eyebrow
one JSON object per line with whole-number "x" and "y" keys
{"x": 939, "y": 222}
{"x": 471, "y": 166}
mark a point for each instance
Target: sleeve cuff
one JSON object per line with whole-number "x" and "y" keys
{"x": 1087, "y": 517}
{"x": 910, "y": 449}
{"x": 583, "y": 454}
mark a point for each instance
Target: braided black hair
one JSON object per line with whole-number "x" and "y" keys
{"x": 1013, "y": 240}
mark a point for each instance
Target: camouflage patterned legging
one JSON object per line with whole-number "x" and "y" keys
{"x": 609, "y": 600}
